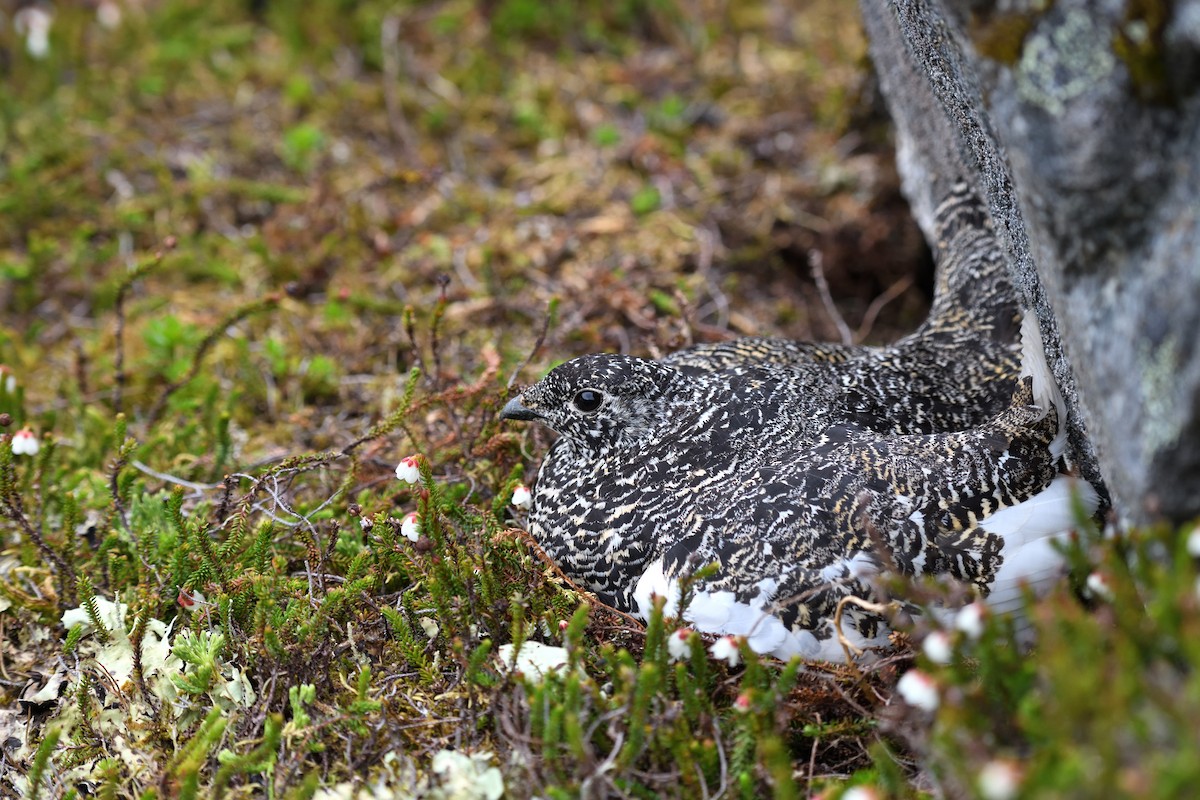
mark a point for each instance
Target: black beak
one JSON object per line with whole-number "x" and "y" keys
{"x": 514, "y": 410}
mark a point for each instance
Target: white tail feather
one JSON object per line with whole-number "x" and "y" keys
{"x": 653, "y": 582}
{"x": 1029, "y": 530}
{"x": 1045, "y": 388}
{"x": 1036, "y": 566}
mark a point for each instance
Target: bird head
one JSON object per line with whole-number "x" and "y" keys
{"x": 600, "y": 402}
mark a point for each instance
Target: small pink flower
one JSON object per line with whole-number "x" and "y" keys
{"x": 1099, "y": 587}
{"x": 970, "y": 619}
{"x": 522, "y": 497}
{"x": 677, "y": 644}
{"x": 1193, "y": 543}
{"x": 33, "y": 22}
{"x": 410, "y": 527}
{"x": 24, "y": 443}
{"x": 860, "y": 793}
{"x": 108, "y": 14}
{"x": 999, "y": 780}
{"x": 918, "y": 690}
{"x": 938, "y": 648}
{"x": 742, "y": 703}
{"x": 726, "y": 649}
{"x": 408, "y": 470}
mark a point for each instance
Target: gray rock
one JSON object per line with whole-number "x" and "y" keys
{"x": 1079, "y": 122}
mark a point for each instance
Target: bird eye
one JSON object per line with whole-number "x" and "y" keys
{"x": 588, "y": 400}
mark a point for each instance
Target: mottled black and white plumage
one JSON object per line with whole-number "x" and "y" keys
{"x": 813, "y": 525}
{"x": 617, "y": 483}
{"x": 803, "y": 471}
{"x": 957, "y": 370}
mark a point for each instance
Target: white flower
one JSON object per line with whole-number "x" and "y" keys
{"x": 999, "y": 780}
{"x": 408, "y": 470}
{"x": 1098, "y": 586}
{"x": 1193, "y": 543}
{"x": 33, "y": 22}
{"x": 467, "y": 776}
{"x": 24, "y": 443}
{"x": 677, "y": 644}
{"x": 410, "y": 528}
{"x": 108, "y": 14}
{"x": 726, "y": 649}
{"x": 938, "y": 647}
{"x": 860, "y": 793}
{"x": 535, "y": 660}
{"x": 970, "y": 618}
{"x": 8, "y": 381}
{"x": 522, "y": 497}
{"x": 918, "y": 690}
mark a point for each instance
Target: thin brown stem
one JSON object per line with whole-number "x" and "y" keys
{"x": 815, "y": 263}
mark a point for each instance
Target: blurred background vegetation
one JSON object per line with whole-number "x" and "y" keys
{"x": 254, "y": 253}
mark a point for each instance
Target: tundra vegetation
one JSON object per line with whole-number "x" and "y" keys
{"x": 255, "y": 254}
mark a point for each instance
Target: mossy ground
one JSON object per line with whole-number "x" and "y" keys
{"x": 255, "y": 253}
